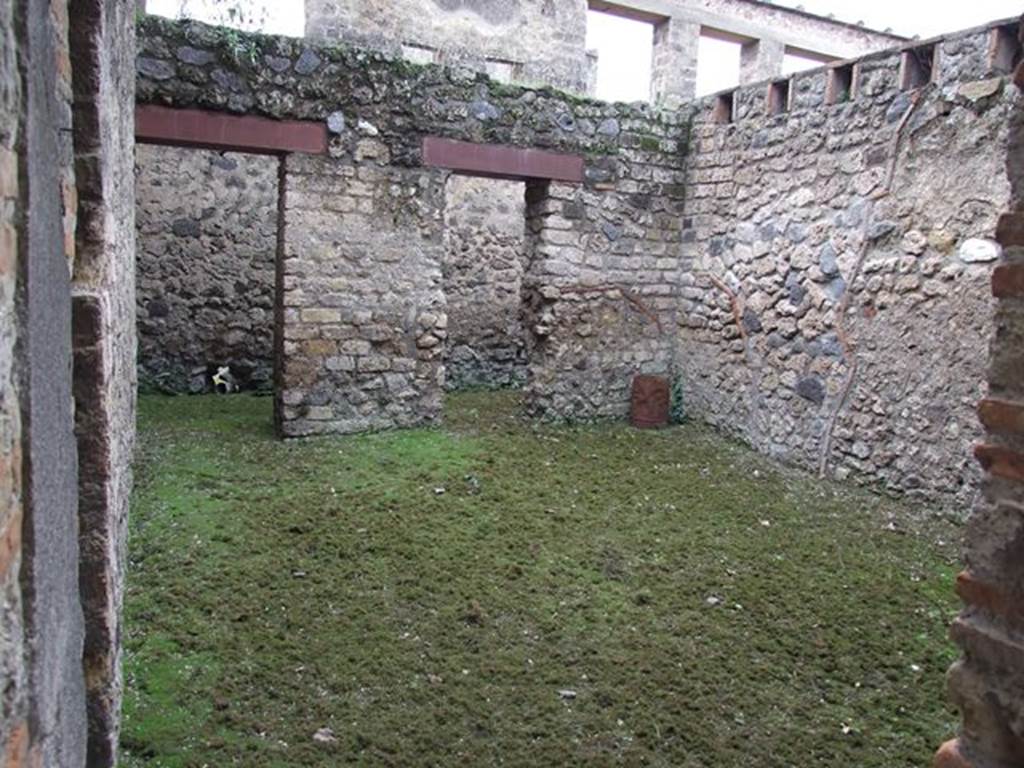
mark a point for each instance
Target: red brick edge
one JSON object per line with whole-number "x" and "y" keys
{"x": 1001, "y": 462}
{"x": 951, "y": 755}
{"x": 1010, "y": 230}
{"x": 239, "y": 133}
{"x": 979, "y": 594}
{"x": 1008, "y": 281}
{"x": 501, "y": 162}
{"x": 1002, "y": 416}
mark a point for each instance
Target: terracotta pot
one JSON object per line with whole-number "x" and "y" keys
{"x": 651, "y": 399}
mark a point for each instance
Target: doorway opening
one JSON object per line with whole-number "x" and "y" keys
{"x": 718, "y": 63}
{"x": 484, "y": 242}
{"x": 207, "y": 225}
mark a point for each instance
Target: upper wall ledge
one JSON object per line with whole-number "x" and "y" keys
{"x": 947, "y": 63}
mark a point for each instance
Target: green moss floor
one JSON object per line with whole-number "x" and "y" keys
{"x": 503, "y": 593}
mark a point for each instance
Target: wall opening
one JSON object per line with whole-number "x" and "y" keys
{"x": 800, "y": 61}
{"x": 718, "y": 64}
{"x": 918, "y": 67}
{"x": 625, "y": 50}
{"x": 778, "y": 97}
{"x": 267, "y": 16}
{"x": 482, "y": 269}
{"x": 1006, "y": 48}
{"x": 207, "y": 229}
{"x": 842, "y": 84}
{"x": 724, "y": 109}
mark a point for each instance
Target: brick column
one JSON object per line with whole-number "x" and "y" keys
{"x": 986, "y": 683}
{"x": 599, "y": 291}
{"x": 674, "y": 62}
{"x": 362, "y": 318}
{"x": 761, "y": 60}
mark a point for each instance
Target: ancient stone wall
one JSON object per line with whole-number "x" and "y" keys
{"x": 608, "y": 240}
{"x": 207, "y": 229}
{"x": 600, "y": 289}
{"x": 14, "y": 702}
{"x": 363, "y": 308}
{"x": 484, "y": 257}
{"x": 104, "y": 341}
{"x": 837, "y": 257}
{"x": 54, "y": 731}
{"x": 987, "y": 682}
{"x": 66, "y": 296}
{"x": 535, "y": 42}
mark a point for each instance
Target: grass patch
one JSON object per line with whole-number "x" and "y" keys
{"x": 432, "y": 597}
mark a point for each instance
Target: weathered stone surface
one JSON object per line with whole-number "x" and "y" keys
{"x": 795, "y": 217}
{"x": 207, "y": 233}
{"x": 336, "y": 122}
{"x": 363, "y": 313}
{"x": 190, "y": 55}
{"x": 527, "y": 41}
{"x": 104, "y": 345}
{"x": 14, "y": 698}
{"x": 485, "y": 254}
{"x": 981, "y": 89}
{"x": 811, "y": 388}
{"x": 608, "y": 247}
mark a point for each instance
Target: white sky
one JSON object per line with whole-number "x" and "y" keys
{"x": 624, "y": 47}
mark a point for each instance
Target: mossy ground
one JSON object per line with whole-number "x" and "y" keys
{"x": 706, "y": 606}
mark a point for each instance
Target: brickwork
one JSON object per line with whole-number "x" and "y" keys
{"x": 60, "y": 193}
{"x": 986, "y": 683}
{"x": 613, "y": 233}
{"x": 599, "y": 291}
{"x": 363, "y": 310}
{"x": 814, "y": 252}
{"x": 104, "y": 341}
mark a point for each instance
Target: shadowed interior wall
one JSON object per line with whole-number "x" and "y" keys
{"x": 483, "y": 275}
{"x": 207, "y": 233}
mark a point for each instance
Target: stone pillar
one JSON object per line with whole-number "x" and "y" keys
{"x": 599, "y": 290}
{"x": 761, "y": 60}
{"x": 362, "y": 317}
{"x": 53, "y": 624}
{"x": 674, "y": 62}
{"x": 103, "y": 321}
{"x": 986, "y": 683}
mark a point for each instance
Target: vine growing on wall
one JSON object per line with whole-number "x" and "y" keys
{"x": 848, "y": 346}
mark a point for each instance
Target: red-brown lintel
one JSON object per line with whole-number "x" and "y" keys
{"x": 503, "y": 162}
{"x": 237, "y": 133}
